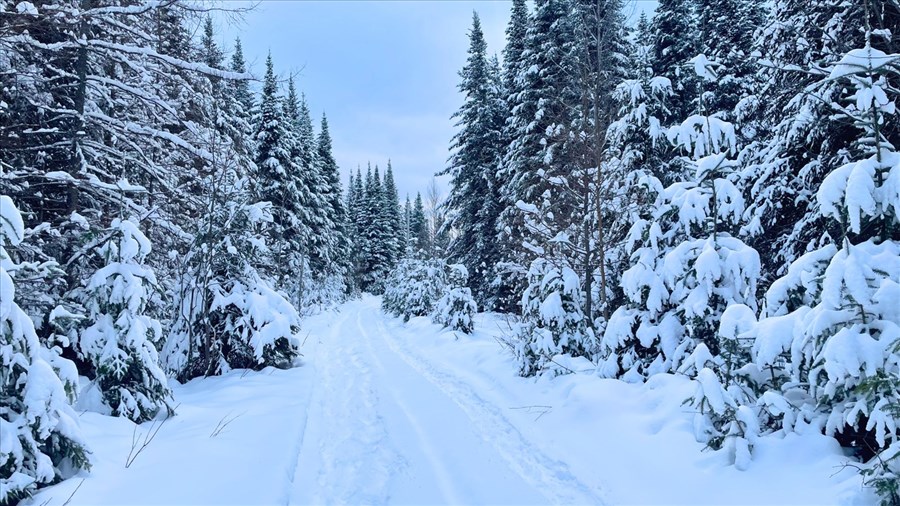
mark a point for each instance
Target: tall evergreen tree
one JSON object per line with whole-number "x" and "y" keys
{"x": 275, "y": 182}
{"x": 336, "y": 211}
{"x": 474, "y": 191}
{"x": 510, "y": 276}
{"x": 393, "y": 222}
{"x": 418, "y": 226}
{"x": 674, "y": 44}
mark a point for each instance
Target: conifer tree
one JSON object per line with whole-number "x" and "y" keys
{"x": 393, "y": 222}
{"x": 539, "y": 111}
{"x": 241, "y": 88}
{"x": 336, "y": 211}
{"x": 121, "y": 341}
{"x": 840, "y": 300}
{"x": 41, "y": 438}
{"x": 408, "y": 242}
{"x": 674, "y": 44}
{"x": 376, "y": 255}
{"x": 418, "y": 225}
{"x": 275, "y": 182}
{"x": 802, "y": 139}
{"x": 689, "y": 265}
{"x": 317, "y": 218}
{"x": 473, "y": 166}
{"x": 510, "y": 275}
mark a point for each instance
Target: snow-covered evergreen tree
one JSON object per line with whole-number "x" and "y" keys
{"x": 337, "y": 219}
{"x": 832, "y": 321}
{"x": 553, "y": 324}
{"x": 229, "y": 314}
{"x": 41, "y": 440}
{"x": 474, "y": 193}
{"x": 456, "y": 308}
{"x": 393, "y": 243}
{"x": 276, "y": 182}
{"x": 121, "y": 341}
{"x": 689, "y": 266}
{"x": 674, "y": 44}
{"x": 418, "y": 228}
{"x": 414, "y": 287}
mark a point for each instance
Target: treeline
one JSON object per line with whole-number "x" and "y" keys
{"x": 713, "y": 192}
{"x": 159, "y": 219}
{"x": 384, "y": 233}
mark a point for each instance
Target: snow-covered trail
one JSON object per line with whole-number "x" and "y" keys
{"x": 386, "y": 426}
{"x": 382, "y": 412}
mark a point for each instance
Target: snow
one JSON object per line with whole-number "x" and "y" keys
{"x": 12, "y": 228}
{"x": 26, "y": 8}
{"x": 862, "y": 60}
{"x": 386, "y": 412}
{"x": 703, "y": 67}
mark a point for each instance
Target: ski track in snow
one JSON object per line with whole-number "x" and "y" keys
{"x": 551, "y": 477}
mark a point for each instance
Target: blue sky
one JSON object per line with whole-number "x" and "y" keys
{"x": 385, "y": 72}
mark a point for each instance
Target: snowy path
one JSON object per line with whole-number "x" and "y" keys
{"x": 382, "y": 412}
{"x": 386, "y": 426}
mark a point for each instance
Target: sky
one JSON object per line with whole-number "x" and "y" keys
{"x": 384, "y": 72}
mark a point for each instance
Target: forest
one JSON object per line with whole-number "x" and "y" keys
{"x": 711, "y": 192}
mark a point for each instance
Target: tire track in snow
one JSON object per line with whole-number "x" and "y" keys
{"x": 356, "y": 463}
{"x": 296, "y": 449}
{"x": 552, "y": 477}
{"x": 440, "y": 471}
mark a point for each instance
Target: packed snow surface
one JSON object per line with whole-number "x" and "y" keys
{"x": 385, "y": 412}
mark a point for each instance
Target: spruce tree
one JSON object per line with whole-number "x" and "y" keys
{"x": 840, "y": 300}
{"x": 674, "y": 44}
{"x": 376, "y": 255}
{"x": 120, "y": 342}
{"x": 336, "y": 211}
{"x": 317, "y": 218}
{"x": 393, "y": 243}
{"x": 418, "y": 225}
{"x": 801, "y": 139}
{"x": 42, "y": 442}
{"x": 275, "y": 182}
{"x": 473, "y": 166}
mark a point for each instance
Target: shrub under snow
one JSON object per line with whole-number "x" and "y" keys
{"x": 230, "y": 316}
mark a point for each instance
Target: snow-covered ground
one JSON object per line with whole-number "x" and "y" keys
{"x": 386, "y": 412}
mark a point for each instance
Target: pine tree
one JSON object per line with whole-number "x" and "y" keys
{"x": 360, "y": 226}
{"x": 510, "y": 272}
{"x": 674, "y": 44}
{"x": 322, "y": 240}
{"x": 840, "y": 300}
{"x": 689, "y": 265}
{"x": 125, "y": 87}
{"x": 376, "y": 256}
{"x": 802, "y": 140}
{"x": 725, "y": 30}
{"x": 539, "y": 112}
{"x": 408, "y": 241}
{"x": 419, "y": 228}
